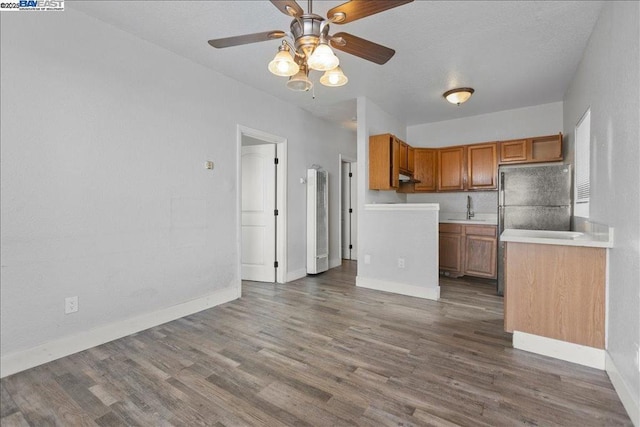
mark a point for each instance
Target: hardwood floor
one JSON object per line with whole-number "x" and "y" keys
{"x": 316, "y": 352}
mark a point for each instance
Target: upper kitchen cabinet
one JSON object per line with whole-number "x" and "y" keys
{"x": 407, "y": 158}
{"x": 482, "y": 166}
{"x": 384, "y": 162}
{"x": 425, "y": 168}
{"x": 532, "y": 150}
{"x": 451, "y": 169}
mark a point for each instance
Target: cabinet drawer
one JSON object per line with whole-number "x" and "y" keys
{"x": 481, "y": 230}
{"x": 451, "y": 228}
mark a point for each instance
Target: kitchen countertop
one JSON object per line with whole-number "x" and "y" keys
{"x": 563, "y": 238}
{"x": 461, "y": 218}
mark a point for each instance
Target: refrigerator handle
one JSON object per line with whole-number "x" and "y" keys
{"x": 501, "y": 193}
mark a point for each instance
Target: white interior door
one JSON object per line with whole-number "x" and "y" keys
{"x": 349, "y": 217}
{"x": 258, "y": 217}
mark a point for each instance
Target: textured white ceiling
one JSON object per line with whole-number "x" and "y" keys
{"x": 514, "y": 53}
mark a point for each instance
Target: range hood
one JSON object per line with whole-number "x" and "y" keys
{"x": 408, "y": 179}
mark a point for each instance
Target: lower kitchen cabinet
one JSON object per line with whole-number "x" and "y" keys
{"x": 468, "y": 250}
{"x": 450, "y": 248}
{"x": 481, "y": 248}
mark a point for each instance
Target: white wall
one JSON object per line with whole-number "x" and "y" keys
{"x": 607, "y": 80}
{"x": 104, "y": 191}
{"x": 510, "y": 124}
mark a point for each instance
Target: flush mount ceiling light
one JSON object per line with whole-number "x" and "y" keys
{"x": 309, "y": 45}
{"x": 458, "y": 96}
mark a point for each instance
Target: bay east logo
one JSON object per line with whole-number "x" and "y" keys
{"x": 32, "y": 5}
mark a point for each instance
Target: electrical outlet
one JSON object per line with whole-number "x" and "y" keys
{"x": 367, "y": 259}
{"x": 400, "y": 262}
{"x": 70, "y": 305}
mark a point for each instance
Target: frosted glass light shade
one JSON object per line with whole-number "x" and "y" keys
{"x": 300, "y": 82}
{"x": 283, "y": 64}
{"x": 323, "y": 58}
{"x": 334, "y": 78}
{"x": 458, "y": 96}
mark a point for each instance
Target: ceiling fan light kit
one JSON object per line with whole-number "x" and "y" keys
{"x": 458, "y": 96}
{"x": 312, "y": 41}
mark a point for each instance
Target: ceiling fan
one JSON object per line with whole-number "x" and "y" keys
{"x": 311, "y": 41}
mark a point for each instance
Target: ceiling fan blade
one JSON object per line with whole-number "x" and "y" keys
{"x": 356, "y": 9}
{"x": 365, "y": 49}
{"x": 246, "y": 39}
{"x": 288, "y": 7}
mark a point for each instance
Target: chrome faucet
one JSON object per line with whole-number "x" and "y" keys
{"x": 470, "y": 213}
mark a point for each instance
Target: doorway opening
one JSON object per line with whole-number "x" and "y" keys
{"x": 261, "y": 202}
{"x": 348, "y": 209}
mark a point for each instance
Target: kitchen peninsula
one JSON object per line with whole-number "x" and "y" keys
{"x": 555, "y": 296}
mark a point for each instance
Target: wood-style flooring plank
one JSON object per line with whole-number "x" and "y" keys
{"x": 318, "y": 351}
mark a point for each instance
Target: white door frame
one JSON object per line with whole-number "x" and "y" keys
{"x": 341, "y": 159}
{"x": 281, "y": 198}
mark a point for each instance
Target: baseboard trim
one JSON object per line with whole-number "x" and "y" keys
{"x": 432, "y": 293}
{"x": 624, "y": 392}
{"x": 575, "y": 353}
{"x": 47, "y": 352}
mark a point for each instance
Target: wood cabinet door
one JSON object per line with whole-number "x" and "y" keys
{"x": 546, "y": 148}
{"x": 513, "y": 151}
{"x": 480, "y": 256}
{"x": 482, "y": 167}
{"x": 450, "y": 252}
{"x": 451, "y": 169}
{"x": 425, "y": 166}
{"x": 411, "y": 159}
{"x": 404, "y": 156}
{"x": 384, "y": 162}
{"x": 395, "y": 163}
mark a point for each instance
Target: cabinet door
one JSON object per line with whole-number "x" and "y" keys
{"x": 411, "y": 153}
{"x": 480, "y": 256}
{"x": 425, "y": 169}
{"x": 450, "y": 252}
{"x": 546, "y": 148}
{"x": 395, "y": 163}
{"x": 513, "y": 151}
{"x": 404, "y": 156}
{"x": 384, "y": 162}
{"x": 482, "y": 167}
{"x": 451, "y": 170}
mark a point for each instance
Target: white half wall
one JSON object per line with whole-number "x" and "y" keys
{"x": 401, "y": 255}
{"x": 104, "y": 190}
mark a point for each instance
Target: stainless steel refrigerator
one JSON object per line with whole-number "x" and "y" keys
{"x": 532, "y": 197}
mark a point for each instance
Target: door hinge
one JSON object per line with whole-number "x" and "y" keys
{"x": 275, "y": 212}
{"x": 275, "y": 161}
{"x": 275, "y": 264}
{"x": 350, "y": 210}
{"x": 350, "y": 175}
{"x": 350, "y": 246}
